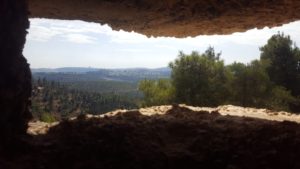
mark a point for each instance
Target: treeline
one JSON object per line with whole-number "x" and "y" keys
{"x": 52, "y": 101}
{"x": 197, "y": 79}
{"x": 130, "y": 75}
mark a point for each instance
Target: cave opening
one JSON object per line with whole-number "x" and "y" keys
{"x": 16, "y": 86}
{"x": 82, "y": 57}
{"x": 183, "y": 137}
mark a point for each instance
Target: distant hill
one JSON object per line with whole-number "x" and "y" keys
{"x": 66, "y": 92}
{"x": 75, "y": 74}
{"x": 65, "y": 70}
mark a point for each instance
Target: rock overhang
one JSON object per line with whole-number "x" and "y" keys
{"x": 172, "y": 18}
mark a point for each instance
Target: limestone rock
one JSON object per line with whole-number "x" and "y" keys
{"x": 179, "y": 18}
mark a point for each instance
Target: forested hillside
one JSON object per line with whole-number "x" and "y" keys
{"x": 52, "y": 101}
{"x": 86, "y": 74}
{"x": 271, "y": 82}
{"x": 67, "y": 92}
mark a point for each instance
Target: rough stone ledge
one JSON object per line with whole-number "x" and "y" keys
{"x": 174, "y": 18}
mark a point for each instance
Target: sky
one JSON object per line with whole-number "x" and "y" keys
{"x": 61, "y": 43}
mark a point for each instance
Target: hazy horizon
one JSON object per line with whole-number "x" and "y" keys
{"x": 99, "y": 67}
{"x": 60, "y": 43}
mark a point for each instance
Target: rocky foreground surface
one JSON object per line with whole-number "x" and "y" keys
{"x": 38, "y": 127}
{"x": 226, "y": 137}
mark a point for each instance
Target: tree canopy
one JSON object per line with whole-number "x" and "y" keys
{"x": 283, "y": 63}
{"x": 156, "y": 92}
{"x": 283, "y": 58}
{"x": 197, "y": 79}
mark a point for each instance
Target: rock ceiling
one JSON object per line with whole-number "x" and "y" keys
{"x": 179, "y": 18}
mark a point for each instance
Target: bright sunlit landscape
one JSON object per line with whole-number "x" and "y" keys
{"x": 88, "y": 68}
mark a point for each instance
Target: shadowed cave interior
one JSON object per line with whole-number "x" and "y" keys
{"x": 182, "y": 138}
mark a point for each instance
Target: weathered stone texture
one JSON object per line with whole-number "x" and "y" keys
{"x": 15, "y": 76}
{"x": 178, "y": 18}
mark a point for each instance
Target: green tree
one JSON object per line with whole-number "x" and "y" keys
{"x": 280, "y": 99}
{"x": 238, "y": 84}
{"x": 284, "y": 62}
{"x": 250, "y": 84}
{"x": 199, "y": 79}
{"x": 258, "y": 85}
{"x": 283, "y": 58}
{"x": 156, "y": 92}
{"x": 251, "y": 87}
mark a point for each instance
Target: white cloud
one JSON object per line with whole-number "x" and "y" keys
{"x": 126, "y": 37}
{"x": 79, "y": 38}
{"x": 134, "y": 50}
{"x": 46, "y": 29}
{"x": 43, "y": 30}
{"x": 169, "y": 47}
{"x": 41, "y": 33}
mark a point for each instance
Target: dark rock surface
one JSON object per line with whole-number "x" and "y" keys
{"x": 15, "y": 76}
{"x": 181, "y": 138}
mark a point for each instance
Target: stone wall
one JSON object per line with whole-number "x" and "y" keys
{"x": 15, "y": 76}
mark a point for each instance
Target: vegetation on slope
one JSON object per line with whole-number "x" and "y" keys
{"x": 195, "y": 79}
{"x": 203, "y": 80}
{"x": 54, "y": 101}
{"x": 67, "y": 92}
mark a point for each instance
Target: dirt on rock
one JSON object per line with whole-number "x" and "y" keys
{"x": 162, "y": 137}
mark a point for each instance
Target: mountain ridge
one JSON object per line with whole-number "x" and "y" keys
{"x": 90, "y": 69}
{"x": 73, "y": 74}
